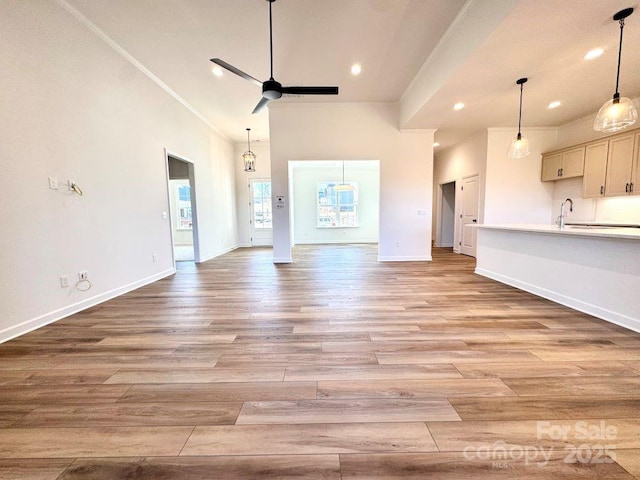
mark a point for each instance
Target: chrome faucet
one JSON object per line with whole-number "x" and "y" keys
{"x": 560, "y": 221}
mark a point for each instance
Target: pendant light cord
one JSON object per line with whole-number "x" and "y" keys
{"x": 271, "y": 39}
{"x": 619, "y": 57}
{"x": 248, "y": 139}
{"x": 520, "y": 113}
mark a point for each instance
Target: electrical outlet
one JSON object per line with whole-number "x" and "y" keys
{"x": 154, "y": 257}
{"x": 83, "y": 275}
{"x": 53, "y": 183}
{"x": 164, "y": 215}
{"x": 64, "y": 281}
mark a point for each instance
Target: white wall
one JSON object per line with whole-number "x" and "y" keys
{"x": 359, "y": 131}
{"x": 78, "y": 110}
{"x": 305, "y": 213}
{"x": 451, "y": 165}
{"x": 263, "y": 172}
{"x": 513, "y": 190}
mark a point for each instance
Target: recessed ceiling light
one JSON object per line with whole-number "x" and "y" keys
{"x": 595, "y": 53}
{"x": 555, "y": 104}
{"x": 458, "y": 106}
{"x": 436, "y": 144}
{"x": 356, "y": 69}
{"x": 217, "y": 71}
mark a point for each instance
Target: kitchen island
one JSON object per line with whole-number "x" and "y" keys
{"x": 593, "y": 269}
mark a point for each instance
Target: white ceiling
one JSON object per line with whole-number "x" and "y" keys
{"x": 316, "y": 42}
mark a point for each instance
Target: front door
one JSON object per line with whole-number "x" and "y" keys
{"x": 261, "y": 213}
{"x": 469, "y": 216}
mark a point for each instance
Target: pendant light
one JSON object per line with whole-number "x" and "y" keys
{"x": 248, "y": 157}
{"x": 618, "y": 113}
{"x": 519, "y": 147}
{"x": 343, "y": 187}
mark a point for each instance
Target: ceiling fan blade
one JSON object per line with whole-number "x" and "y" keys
{"x": 261, "y": 104}
{"x": 310, "y": 90}
{"x": 237, "y": 71}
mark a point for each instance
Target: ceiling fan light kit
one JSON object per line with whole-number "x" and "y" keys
{"x": 272, "y": 89}
{"x": 519, "y": 147}
{"x": 619, "y": 112}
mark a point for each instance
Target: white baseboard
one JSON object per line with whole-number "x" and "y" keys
{"x": 446, "y": 245}
{"x": 418, "y": 258}
{"x": 603, "y": 313}
{"x": 30, "y": 325}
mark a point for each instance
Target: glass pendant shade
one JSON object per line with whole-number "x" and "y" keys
{"x": 249, "y": 159}
{"x": 519, "y": 147}
{"x": 619, "y": 112}
{"x": 616, "y": 114}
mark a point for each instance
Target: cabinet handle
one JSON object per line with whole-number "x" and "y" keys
{"x": 602, "y": 190}
{"x": 558, "y": 174}
{"x": 562, "y": 172}
{"x": 626, "y": 188}
{"x": 631, "y": 187}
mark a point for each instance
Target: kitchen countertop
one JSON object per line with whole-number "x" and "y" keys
{"x": 582, "y": 230}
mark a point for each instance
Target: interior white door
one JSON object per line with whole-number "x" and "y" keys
{"x": 469, "y": 216}
{"x": 261, "y": 212}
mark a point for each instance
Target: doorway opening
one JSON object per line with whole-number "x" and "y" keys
{"x": 447, "y": 225}
{"x": 260, "y": 213}
{"x": 182, "y": 209}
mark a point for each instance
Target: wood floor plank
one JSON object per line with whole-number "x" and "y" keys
{"x": 544, "y": 408}
{"x": 345, "y": 411}
{"x": 456, "y": 356}
{"x": 310, "y": 439}
{"x": 61, "y": 394}
{"x": 457, "y": 466}
{"x": 124, "y": 414}
{"x": 34, "y": 469}
{"x": 377, "y": 372}
{"x": 591, "y": 386}
{"x": 9, "y": 414}
{"x": 403, "y": 346}
{"x": 191, "y": 375}
{"x": 546, "y": 369}
{"x": 220, "y": 392}
{"x": 92, "y": 442}
{"x": 284, "y": 360}
{"x": 433, "y": 388}
{"x": 262, "y": 467}
{"x": 558, "y": 433}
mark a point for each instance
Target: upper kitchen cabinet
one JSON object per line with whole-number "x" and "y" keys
{"x": 635, "y": 184}
{"x": 562, "y": 164}
{"x": 595, "y": 169}
{"x": 620, "y": 160}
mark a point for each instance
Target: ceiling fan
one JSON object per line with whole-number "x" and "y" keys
{"x": 271, "y": 89}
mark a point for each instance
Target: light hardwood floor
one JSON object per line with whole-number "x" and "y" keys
{"x": 333, "y": 367}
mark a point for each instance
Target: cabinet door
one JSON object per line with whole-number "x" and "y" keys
{"x": 572, "y": 163}
{"x": 595, "y": 169}
{"x": 635, "y": 190}
{"x": 619, "y": 166}
{"x": 551, "y": 165}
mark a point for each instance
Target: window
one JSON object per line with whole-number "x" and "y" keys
{"x": 183, "y": 200}
{"x": 262, "y": 205}
{"x": 337, "y": 205}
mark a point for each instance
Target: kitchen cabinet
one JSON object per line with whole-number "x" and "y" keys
{"x": 595, "y": 169}
{"x": 620, "y": 159}
{"x": 564, "y": 164}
